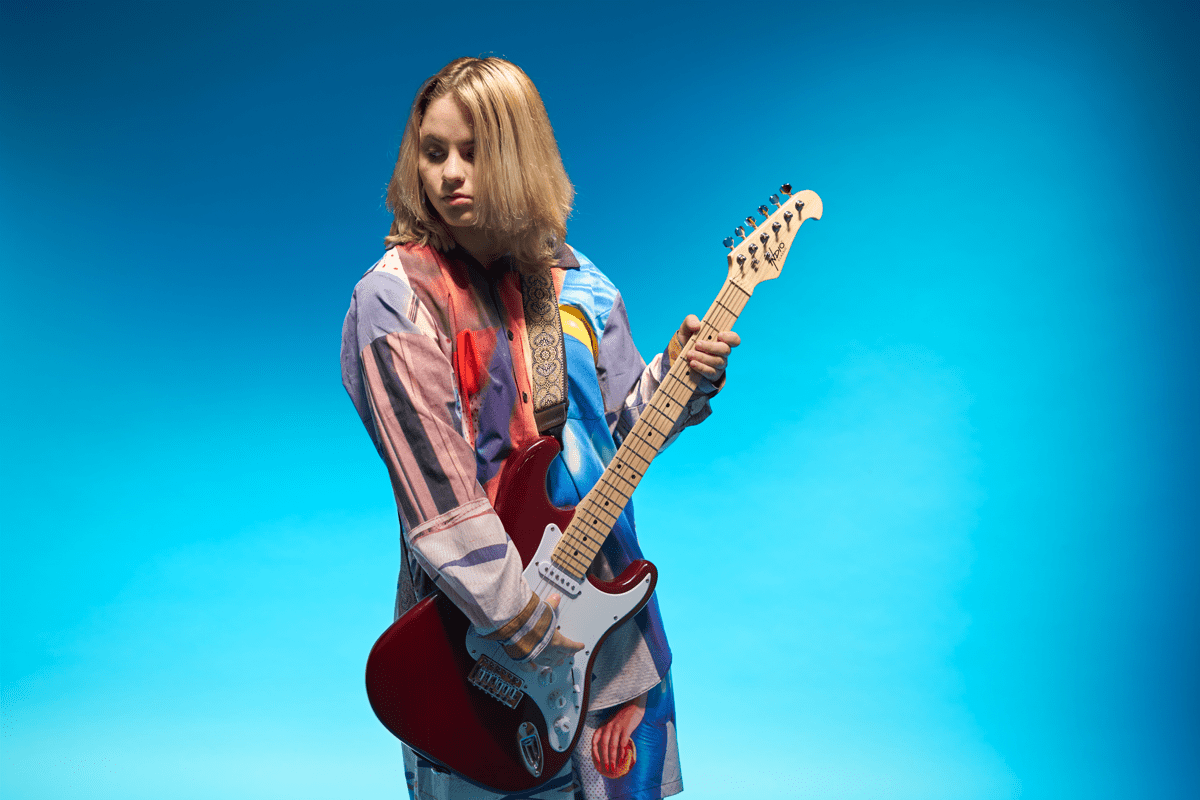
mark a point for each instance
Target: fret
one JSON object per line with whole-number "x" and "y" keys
{"x": 567, "y": 560}
{"x": 596, "y": 511}
{"x": 634, "y": 454}
{"x": 656, "y": 410}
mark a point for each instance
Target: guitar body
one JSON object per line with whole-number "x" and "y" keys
{"x": 458, "y": 699}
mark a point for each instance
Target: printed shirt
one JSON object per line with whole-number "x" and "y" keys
{"x": 435, "y": 359}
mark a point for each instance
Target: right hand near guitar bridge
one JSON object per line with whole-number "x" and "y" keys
{"x": 560, "y": 648}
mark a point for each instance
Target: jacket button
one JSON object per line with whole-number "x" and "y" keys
{"x": 524, "y": 397}
{"x": 510, "y": 336}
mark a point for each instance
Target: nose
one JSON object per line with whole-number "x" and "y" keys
{"x": 454, "y": 170}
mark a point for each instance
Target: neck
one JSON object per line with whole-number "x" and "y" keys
{"x": 478, "y": 243}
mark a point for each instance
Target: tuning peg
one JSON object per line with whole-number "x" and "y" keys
{"x": 764, "y": 236}
{"x": 786, "y": 189}
{"x": 787, "y": 216}
{"x": 800, "y": 205}
{"x": 740, "y": 231}
{"x": 741, "y": 259}
{"x": 766, "y": 212}
{"x": 751, "y": 222}
{"x": 775, "y": 226}
{"x": 728, "y": 242}
{"x": 774, "y": 200}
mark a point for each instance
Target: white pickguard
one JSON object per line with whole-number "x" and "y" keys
{"x": 585, "y": 616}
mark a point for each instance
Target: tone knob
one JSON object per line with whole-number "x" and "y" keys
{"x": 546, "y": 676}
{"x": 562, "y": 724}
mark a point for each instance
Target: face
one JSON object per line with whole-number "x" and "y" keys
{"x": 446, "y": 162}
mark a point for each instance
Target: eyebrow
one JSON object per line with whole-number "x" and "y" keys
{"x": 427, "y": 137}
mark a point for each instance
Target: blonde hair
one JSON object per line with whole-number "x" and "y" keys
{"x": 523, "y": 195}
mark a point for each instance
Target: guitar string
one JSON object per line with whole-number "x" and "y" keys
{"x": 723, "y": 312}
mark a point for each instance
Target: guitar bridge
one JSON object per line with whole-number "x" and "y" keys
{"x": 497, "y": 682}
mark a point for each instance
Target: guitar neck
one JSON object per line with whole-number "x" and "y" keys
{"x": 597, "y": 513}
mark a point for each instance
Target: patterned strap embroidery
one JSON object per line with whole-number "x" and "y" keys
{"x": 548, "y": 356}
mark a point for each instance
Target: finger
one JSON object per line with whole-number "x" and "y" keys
{"x": 553, "y": 600}
{"x": 688, "y": 328}
{"x": 564, "y": 643}
{"x": 602, "y": 747}
{"x": 620, "y": 745}
{"x": 706, "y": 364}
{"x": 712, "y": 348}
{"x": 730, "y": 338}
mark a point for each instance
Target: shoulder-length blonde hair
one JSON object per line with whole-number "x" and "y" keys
{"x": 522, "y": 193}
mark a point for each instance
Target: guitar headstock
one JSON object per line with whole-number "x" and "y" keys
{"x": 760, "y": 255}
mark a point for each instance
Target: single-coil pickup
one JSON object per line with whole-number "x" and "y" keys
{"x": 496, "y": 681}
{"x": 559, "y": 578}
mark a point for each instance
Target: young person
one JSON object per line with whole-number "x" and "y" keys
{"x": 436, "y": 357}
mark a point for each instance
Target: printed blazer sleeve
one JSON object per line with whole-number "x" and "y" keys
{"x": 628, "y": 383}
{"x": 401, "y": 380}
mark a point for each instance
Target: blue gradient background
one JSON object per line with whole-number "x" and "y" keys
{"x": 937, "y": 541}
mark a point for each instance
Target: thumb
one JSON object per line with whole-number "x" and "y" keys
{"x": 691, "y": 324}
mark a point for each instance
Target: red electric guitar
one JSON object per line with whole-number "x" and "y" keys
{"x": 457, "y": 698}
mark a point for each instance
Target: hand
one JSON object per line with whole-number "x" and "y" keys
{"x": 560, "y": 648}
{"x": 610, "y": 739}
{"x": 707, "y": 356}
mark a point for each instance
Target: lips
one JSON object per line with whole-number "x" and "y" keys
{"x": 457, "y": 199}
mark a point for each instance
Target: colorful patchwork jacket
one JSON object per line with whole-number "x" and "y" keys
{"x": 435, "y": 358}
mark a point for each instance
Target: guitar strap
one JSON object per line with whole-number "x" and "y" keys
{"x": 547, "y": 353}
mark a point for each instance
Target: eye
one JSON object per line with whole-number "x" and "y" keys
{"x": 469, "y": 155}
{"x": 435, "y": 153}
